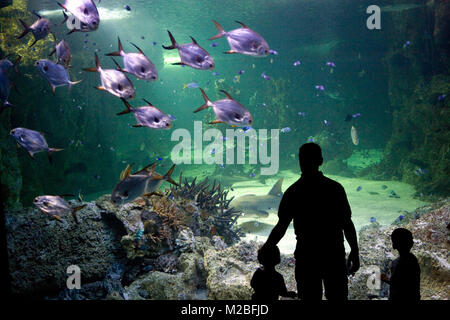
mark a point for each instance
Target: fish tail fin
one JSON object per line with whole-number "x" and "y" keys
{"x": 61, "y": 5}
{"x": 26, "y": 27}
{"x": 116, "y": 53}
{"x": 207, "y": 102}
{"x": 174, "y": 43}
{"x": 97, "y": 65}
{"x": 128, "y": 110}
{"x": 50, "y": 152}
{"x": 74, "y": 212}
{"x": 72, "y": 83}
{"x": 168, "y": 178}
{"x": 221, "y": 33}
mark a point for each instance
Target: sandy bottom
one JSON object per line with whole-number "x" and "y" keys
{"x": 371, "y": 201}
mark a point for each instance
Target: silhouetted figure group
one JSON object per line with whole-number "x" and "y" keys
{"x": 322, "y": 217}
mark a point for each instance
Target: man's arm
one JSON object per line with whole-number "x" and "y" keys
{"x": 284, "y": 219}
{"x": 278, "y": 231}
{"x": 350, "y": 236}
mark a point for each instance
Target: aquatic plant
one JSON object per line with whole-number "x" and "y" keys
{"x": 209, "y": 207}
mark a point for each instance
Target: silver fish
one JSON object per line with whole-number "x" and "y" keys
{"x": 137, "y": 63}
{"x": 113, "y": 81}
{"x": 32, "y": 141}
{"x": 243, "y": 40}
{"x": 40, "y": 29}
{"x": 56, "y": 207}
{"x": 85, "y": 11}
{"x": 191, "y": 54}
{"x": 63, "y": 54}
{"x": 55, "y": 74}
{"x": 227, "y": 111}
{"x": 148, "y": 116}
{"x": 354, "y": 135}
{"x": 143, "y": 182}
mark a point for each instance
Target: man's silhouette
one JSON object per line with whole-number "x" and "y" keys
{"x": 321, "y": 214}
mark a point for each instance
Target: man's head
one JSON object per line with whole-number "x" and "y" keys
{"x": 402, "y": 240}
{"x": 310, "y": 157}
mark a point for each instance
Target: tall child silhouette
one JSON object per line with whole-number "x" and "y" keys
{"x": 267, "y": 282}
{"x": 405, "y": 270}
{"x": 321, "y": 214}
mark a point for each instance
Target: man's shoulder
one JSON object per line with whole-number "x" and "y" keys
{"x": 332, "y": 183}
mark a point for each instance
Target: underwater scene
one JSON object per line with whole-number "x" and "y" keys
{"x": 146, "y": 145}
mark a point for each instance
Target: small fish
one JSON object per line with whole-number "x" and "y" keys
{"x": 63, "y": 54}
{"x": 359, "y": 188}
{"x": 441, "y": 97}
{"x": 252, "y": 174}
{"x": 215, "y": 73}
{"x": 56, "y": 207}
{"x": 331, "y": 64}
{"x": 97, "y": 177}
{"x": 401, "y": 217}
{"x": 245, "y": 129}
{"x": 142, "y": 38}
{"x": 127, "y": 7}
{"x": 274, "y": 52}
{"x": 373, "y": 219}
{"x": 407, "y": 44}
{"x": 354, "y": 135}
{"x": 143, "y": 182}
{"x": 213, "y": 151}
{"x": 297, "y": 63}
{"x": 222, "y": 165}
{"x": 148, "y": 116}
{"x": 310, "y": 139}
{"x": 243, "y": 40}
{"x": 172, "y": 117}
{"x": 213, "y": 45}
{"x": 236, "y": 79}
{"x": 32, "y": 141}
{"x": 240, "y": 72}
{"x": 5, "y": 89}
{"x": 40, "y": 29}
{"x": 320, "y": 87}
{"x": 85, "y": 11}
{"x": 136, "y": 63}
{"x": 302, "y": 114}
{"x": 265, "y": 76}
{"x": 286, "y": 130}
{"x": 159, "y": 159}
{"x": 154, "y": 43}
{"x": 112, "y": 149}
{"x": 420, "y": 171}
{"x": 113, "y": 81}
{"x": 191, "y": 54}
{"x": 227, "y": 110}
{"x": 191, "y": 85}
{"x": 326, "y": 122}
{"x": 55, "y": 74}
{"x": 356, "y": 115}
{"x": 384, "y": 187}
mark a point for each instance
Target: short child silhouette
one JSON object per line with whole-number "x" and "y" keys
{"x": 267, "y": 283}
{"x": 405, "y": 271}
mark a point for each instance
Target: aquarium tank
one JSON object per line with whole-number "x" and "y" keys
{"x": 146, "y": 145}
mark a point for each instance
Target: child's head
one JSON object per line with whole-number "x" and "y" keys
{"x": 269, "y": 256}
{"x": 402, "y": 239}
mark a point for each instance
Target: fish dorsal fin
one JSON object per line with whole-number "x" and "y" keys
{"x": 140, "y": 51}
{"x": 243, "y": 25}
{"x": 193, "y": 40}
{"x": 227, "y": 94}
{"x": 145, "y": 170}
{"x": 276, "y": 189}
{"x": 149, "y": 103}
{"x": 126, "y": 172}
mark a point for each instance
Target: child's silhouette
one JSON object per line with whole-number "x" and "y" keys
{"x": 405, "y": 271}
{"x": 267, "y": 282}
